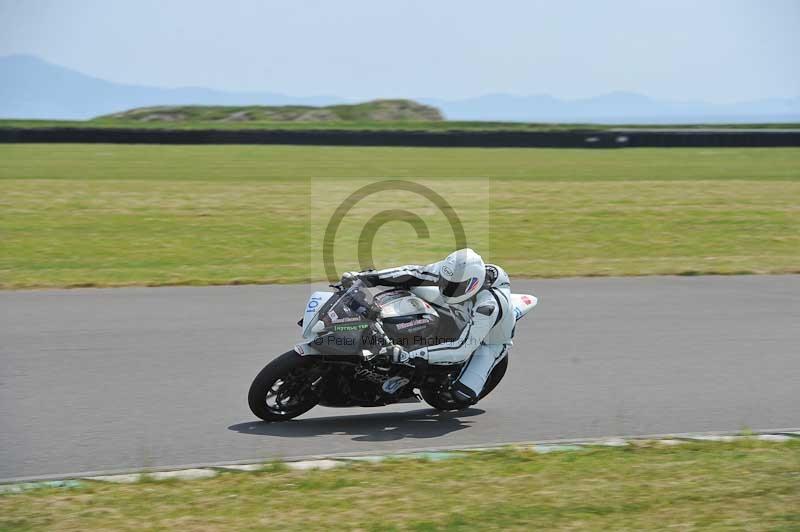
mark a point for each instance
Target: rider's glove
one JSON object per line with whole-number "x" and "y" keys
{"x": 398, "y": 355}
{"x": 401, "y": 356}
{"x": 348, "y": 278}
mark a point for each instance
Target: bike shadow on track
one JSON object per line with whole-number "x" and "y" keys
{"x": 423, "y": 423}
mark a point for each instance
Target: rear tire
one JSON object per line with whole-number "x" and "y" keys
{"x": 497, "y": 374}
{"x": 283, "y": 389}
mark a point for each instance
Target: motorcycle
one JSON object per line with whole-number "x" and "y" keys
{"x": 344, "y": 358}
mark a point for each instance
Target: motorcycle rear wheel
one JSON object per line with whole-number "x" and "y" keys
{"x": 497, "y": 374}
{"x": 283, "y": 389}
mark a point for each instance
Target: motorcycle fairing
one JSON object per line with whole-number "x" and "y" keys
{"x": 522, "y": 304}
{"x": 311, "y": 314}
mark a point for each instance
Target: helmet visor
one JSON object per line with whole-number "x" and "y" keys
{"x": 456, "y": 288}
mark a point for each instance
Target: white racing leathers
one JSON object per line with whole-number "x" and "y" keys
{"x": 485, "y": 324}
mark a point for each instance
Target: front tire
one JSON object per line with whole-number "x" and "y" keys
{"x": 284, "y": 388}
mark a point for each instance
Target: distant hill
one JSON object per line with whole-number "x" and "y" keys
{"x": 374, "y": 111}
{"x": 616, "y": 108}
{"x": 33, "y": 88}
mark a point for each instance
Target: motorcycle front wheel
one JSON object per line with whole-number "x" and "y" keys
{"x": 284, "y": 389}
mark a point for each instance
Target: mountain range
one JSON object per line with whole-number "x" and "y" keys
{"x": 33, "y": 88}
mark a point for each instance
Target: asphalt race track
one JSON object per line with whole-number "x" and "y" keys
{"x": 95, "y": 380}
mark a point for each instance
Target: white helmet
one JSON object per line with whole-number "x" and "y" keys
{"x": 461, "y": 275}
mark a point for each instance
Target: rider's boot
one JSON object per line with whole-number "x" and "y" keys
{"x": 468, "y": 387}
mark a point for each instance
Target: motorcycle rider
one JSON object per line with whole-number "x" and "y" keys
{"x": 477, "y": 298}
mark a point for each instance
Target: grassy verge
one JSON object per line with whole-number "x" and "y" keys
{"x": 106, "y": 215}
{"x": 743, "y": 486}
{"x": 412, "y": 125}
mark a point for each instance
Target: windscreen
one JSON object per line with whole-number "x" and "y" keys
{"x": 350, "y": 307}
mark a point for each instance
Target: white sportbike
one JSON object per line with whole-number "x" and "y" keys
{"x": 344, "y": 359}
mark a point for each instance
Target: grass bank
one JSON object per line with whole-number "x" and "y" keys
{"x": 107, "y": 215}
{"x": 745, "y": 485}
{"x": 356, "y": 124}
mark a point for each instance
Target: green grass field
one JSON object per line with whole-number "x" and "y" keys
{"x": 106, "y": 215}
{"x": 444, "y": 125}
{"x": 746, "y": 485}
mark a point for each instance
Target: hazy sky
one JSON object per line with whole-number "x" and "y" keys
{"x": 720, "y": 51}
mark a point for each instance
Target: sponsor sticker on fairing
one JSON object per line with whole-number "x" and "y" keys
{"x": 346, "y": 319}
{"x": 407, "y": 324}
{"x": 353, "y": 327}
